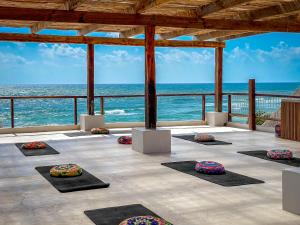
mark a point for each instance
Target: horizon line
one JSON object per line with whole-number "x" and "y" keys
{"x": 144, "y": 83}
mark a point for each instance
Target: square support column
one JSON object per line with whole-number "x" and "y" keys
{"x": 252, "y": 108}
{"x": 149, "y": 139}
{"x": 150, "y": 79}
{"x": 90, "y": 80}
{"x": 218, "y": 79}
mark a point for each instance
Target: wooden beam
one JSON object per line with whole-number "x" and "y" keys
{"x": 177, "y": 33}
{"x": 214, "y": 34}
{"x": 144, "y": 5}
{"x": 68, "y": 5}
{"x": 240, "y": 35}
{"x": 106, "y": 41}
{"x": 218, "y": 79}
{"x": 22, "y": 14}
{"x": 90, "y": 80}
{"x": 132, "y": 32}
{"x": 88, "y": 29}
{"x": 252, "y": 117}
{"x": 150, "y": 79}
{"x": 219, "y": 5}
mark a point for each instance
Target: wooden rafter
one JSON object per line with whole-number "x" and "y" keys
{"x": 284, "y": 9}
{"x": 132, "y": 32}
{"x": 205, "y": 10}
{"x": 141, "y": 7}
{"x": 83, "y": 17}
{"x": 106, "y": 41}
{"x": 219, "y": 5}
{"x": 68, "y": 5}
{"x": 235, "y": 36}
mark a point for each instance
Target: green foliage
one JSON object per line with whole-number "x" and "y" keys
{"x": 261, "y": 117}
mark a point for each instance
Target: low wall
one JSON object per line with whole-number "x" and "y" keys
{"x": 108, "y": 125}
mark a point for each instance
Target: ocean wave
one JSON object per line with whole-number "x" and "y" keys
{"x": 118, "y": 112}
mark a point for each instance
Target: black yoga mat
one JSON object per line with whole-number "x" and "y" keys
{"x": 262, "y": 154}
{"x": 115, "y": 215}
{"x": 46, "y": 151}
{"x": 228, "y": 179}
{"x": 84, "y": 182}
{"x": 78, "y": 134}
{"x": 191, "y": 138}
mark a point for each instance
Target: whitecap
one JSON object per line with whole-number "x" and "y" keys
{"x": 118, "y": 112}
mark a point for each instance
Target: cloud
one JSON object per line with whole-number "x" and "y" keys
{"x": 281, "y": 52}
{"x": 12, "y": 59}
{"x": 177, "y": 56}
{"x": 61, "y": 50}
{"x": 119, "y": 57}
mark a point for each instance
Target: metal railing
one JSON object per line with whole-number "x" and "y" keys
{"x": 267, "y": 105}
{"x": 101, "y": 100}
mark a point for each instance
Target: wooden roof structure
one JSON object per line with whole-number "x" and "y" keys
{"x": 217, "y": 20}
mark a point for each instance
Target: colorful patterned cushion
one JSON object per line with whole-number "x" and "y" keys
{"x": 99, "y": 131}
{"x": 280, "y": 154}
{"x": 209, "y": 167}
{"x": 66, "y": 170}
{"x": 144, "y": 220}
{"x": 34, "y": 145}
{"x": 204, "y": 138}
{"x": 125, "y": 140}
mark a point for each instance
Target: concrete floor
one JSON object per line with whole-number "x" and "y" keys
{"x": 27, "y": 198}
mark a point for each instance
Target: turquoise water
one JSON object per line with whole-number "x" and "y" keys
{"x": 60, "y": 111}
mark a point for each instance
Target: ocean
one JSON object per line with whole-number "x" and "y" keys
{"x": 35, "y": 112}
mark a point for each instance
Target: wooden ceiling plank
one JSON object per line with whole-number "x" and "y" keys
{"x": 105, "y": 41}
{"x": 144, "y": 5}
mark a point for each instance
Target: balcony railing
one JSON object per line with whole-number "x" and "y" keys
{"x": 267, "y": 105}
{"x": 101, "y": 98}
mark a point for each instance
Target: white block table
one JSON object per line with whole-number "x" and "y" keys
{"x": 87, "y": 122}
{"x": 151, "y": 141}
{"x": 291, "y": 190}
{"x": 216, "y": 119}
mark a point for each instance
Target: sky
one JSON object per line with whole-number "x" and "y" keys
{"x": 273, "y": 57}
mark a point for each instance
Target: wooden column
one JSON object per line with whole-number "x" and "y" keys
{"x": 90, "y": 80}
{"x": 252, "y": 117}
{"x": 150, "y": 79}
{"x": 218, "y": 79}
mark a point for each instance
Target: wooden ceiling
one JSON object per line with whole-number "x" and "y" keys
{"x": 203, "y": 19}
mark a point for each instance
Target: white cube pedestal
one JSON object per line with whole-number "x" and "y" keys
{"x": 216, "y": 119}
{"x": 149, "y": 141}
{"x": 87, "y": 122}
{"x": 291, "y": 190}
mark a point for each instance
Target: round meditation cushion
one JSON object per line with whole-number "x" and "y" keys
{"x": 34, "y": 145}
{"x": 66, "y": 170}
{"x": 144, "y": 220}
{"x": 280, "y": 154}
{"x": 204, "y": 138}
{"x": 125, "y": 140}
{"x": 209, "y": 167}
{"x": 100, "y": 131}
